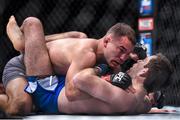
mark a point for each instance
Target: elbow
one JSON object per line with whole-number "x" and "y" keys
{"x": 73, "y": 93}
{"x": 77, "y": 81}
{"x": 70, "y": 95}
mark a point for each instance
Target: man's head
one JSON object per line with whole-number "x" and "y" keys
{"x": 160, "y": 70}
{"x": 156, "y": 69}
{"x": 118, "y": 44}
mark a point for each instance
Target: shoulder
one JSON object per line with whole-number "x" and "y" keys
{"x": 88, "y": 55}
{"x": 90, "y": 41}
{"x": 86, "y": 52}
{"x": 88, "y": 45}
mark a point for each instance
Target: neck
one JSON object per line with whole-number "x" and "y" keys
{"x": 139, "y": 86}
{"x": 132, "y": 73}
{"x": 138, "y": 82}
{"x": 100, "y": 52}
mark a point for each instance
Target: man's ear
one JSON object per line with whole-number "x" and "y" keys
{"x": 106, "y": 40}
{"x": 143, "y": 72}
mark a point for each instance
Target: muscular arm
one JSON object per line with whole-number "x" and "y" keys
{"x": 79, "y": 63}
{"x": 71, "y": 34}
{"x": 116, "y": 97}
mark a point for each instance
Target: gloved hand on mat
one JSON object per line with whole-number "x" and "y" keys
{"x": 159, "y": 99}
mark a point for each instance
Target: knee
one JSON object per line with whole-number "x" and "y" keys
{"x": 10, "y": 111}
{"x": 19, "y": 106}
{"x": 31, "y": 21}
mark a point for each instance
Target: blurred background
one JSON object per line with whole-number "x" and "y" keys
{"x": 156, "y": 22}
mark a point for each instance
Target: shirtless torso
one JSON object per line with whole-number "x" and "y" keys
{"x": 68, "y": 50}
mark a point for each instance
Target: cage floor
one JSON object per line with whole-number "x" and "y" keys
{"x": 157, "y": 116}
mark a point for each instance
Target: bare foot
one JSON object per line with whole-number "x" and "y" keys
{"x": 15, "y": 34}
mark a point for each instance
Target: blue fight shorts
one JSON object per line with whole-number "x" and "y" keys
{"x": 45, "y": 92}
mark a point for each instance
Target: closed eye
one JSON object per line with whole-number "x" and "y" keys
{"x": 122, "y": 49}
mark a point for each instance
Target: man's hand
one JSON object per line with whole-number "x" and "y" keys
{"x": 140, "y": 50}
{"x": 122, "y": 80}
{"x": 102, "y": 69}
{"x": 159, "y": 98}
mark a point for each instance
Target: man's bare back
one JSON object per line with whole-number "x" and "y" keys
{"x": 69, "y": 49}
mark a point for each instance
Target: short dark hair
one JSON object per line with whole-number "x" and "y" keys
{"x": 122, "y": 29}
{"x": 160, "y": 71}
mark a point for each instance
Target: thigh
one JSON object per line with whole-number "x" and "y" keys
{"x": 36, "y": 57}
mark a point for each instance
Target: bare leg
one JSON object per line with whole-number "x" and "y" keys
{"x": 16, "y": 101}
{"x": 36, "y": 56}
{"x": 15, "y": 35}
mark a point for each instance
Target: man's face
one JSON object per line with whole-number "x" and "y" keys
{"x": 117, "y": 51}
{"x": 140, "y": 65}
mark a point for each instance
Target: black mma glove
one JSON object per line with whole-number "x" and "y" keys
{"x": 140, "y": 50}
{"x": 127, "y": 65}
{"x": 122, "y": 80}
{"x": 103, "y": 69}
{"x": 159, "y": 98}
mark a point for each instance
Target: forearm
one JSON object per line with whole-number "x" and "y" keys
{"x": 73, "y": 93}
{"x": 104, "y": 91}
{"x": 72, "y": 34}
{"x": 94, "y": 85}
{"x": 83, "y": 81}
